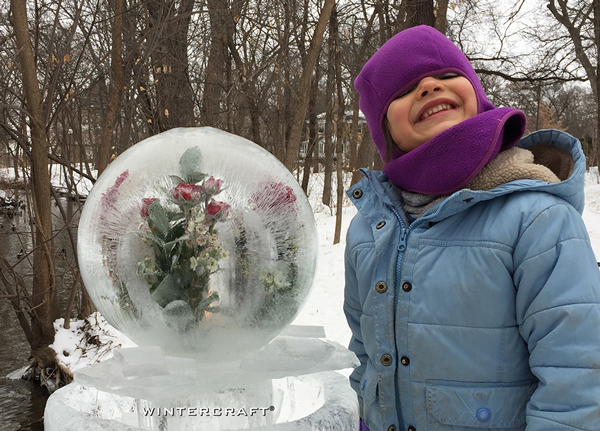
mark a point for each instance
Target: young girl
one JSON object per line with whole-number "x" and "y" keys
{"x": 472, "y": 291}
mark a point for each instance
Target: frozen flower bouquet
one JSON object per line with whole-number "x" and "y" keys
{"x": 185, "y": 243}
{"x": 206, "y": 249}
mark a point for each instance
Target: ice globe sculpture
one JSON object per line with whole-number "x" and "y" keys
{"x": 198, "y": 241}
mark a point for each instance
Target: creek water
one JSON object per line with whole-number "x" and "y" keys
{"x": 22, "y": 403}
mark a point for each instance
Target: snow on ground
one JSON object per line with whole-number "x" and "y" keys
{"x": 324, "y": 306}
{"x": 591, "y": 212}
{"x": 59, "y": 176}
{"x": 87, "y": 341}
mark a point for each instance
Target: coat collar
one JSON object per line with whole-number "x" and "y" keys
{"x": 380, "y": 192}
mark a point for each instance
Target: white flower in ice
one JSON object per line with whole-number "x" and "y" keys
{"x": 201, "y": 240}
{"x": 194, "y": 263}
{"x": 214, "y": 239}
{"x": 199, "y": 218}
{"x": 212, "y": 264}
{"x": 267, "y": 277}
{"x": 224, "y": 254}
{"x": 279, "y": 280}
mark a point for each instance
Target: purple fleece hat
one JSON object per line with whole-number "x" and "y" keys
{"x": 450, "y": 160}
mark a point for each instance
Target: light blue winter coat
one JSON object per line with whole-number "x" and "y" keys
{"x": 483, "y": 314}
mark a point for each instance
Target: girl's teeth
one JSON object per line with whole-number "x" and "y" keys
{"x": 435, "y": 109}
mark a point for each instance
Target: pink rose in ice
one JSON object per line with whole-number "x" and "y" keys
{"x": 215, "y": 207}
{"x": 213, "y": 185}
{"x": 112, "y": 194}
{"x": 186, "y": 191}
{"x": 274, "y": 195}
{"x": 146, "y": 202}
{"x": 122, "y": 178}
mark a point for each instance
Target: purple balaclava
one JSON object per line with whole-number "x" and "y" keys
{"x": 449, "y": 161}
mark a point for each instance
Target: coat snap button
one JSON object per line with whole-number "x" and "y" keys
{"x": 380, "y": 225}
{"x": 357, "y": 194}
{"x": 406, "y": 286}
{"x": 404, "y": 360}
{"x": 381, "y": 287}
{"x": 392, "y": 428}
{"x": 386, "y": 360}
{"x": 412, "y": 428}
{"x": 483, "y": 415}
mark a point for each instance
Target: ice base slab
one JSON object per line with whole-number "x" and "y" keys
{"x": 288, "y": 385}
{"x": 321, "y": 401}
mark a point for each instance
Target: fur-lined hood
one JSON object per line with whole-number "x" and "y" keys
{"x": 551, "y": 161}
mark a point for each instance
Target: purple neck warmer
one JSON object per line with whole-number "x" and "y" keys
{"x": 450, "y": 160}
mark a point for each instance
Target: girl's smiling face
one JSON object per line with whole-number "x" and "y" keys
{"x": 431, "y": 106}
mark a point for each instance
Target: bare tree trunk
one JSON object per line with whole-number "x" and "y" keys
{"x": 596, "y": 5}
{"x": 353, "y": 138}
{"x": 116, "y": 89}
{"x": 171, "y": 20}
{"x": 328, "y": 158}
{"x": 291, "y": 156}
{"x": 561, "y": 13}
{"x": 329, "y": 117}
{"x": 340, "y": 124}
{"x": 441, "y": 11}
{"x": 419, "y": 12}
{"x": 44, "y": 293}
{"x": 250, "y": 95}
{"x": 280, "y": 117}
{"x": 214, "y": 84}
{"x": 366, "y": 155}
{"x": 312, "y": 132}
{"x": 356, "y": 157}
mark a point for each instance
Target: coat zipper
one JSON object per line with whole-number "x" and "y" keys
{"x": 399, "y": 260}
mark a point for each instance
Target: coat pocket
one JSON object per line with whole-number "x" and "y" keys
{"x": 491, "y": 406}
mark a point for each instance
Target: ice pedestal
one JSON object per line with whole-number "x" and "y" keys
{"x": 288, "y": 385}
{"x": 205, "y": 252}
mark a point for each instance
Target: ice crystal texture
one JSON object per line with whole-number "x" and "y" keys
{"x": 198, "y": 241}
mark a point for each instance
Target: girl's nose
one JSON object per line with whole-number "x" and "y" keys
{"x": 427, "y": 85}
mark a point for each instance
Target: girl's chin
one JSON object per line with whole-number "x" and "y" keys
{"x": 435, "y": 128}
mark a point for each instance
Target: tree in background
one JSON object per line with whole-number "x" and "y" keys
{"x": 44, "y": 305}
{"x": 117, "y": 87}
{"x": 580, "y": 22}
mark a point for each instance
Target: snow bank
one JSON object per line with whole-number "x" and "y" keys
{"x": 592, "y": 190}
{"x": 86, "y": 341}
